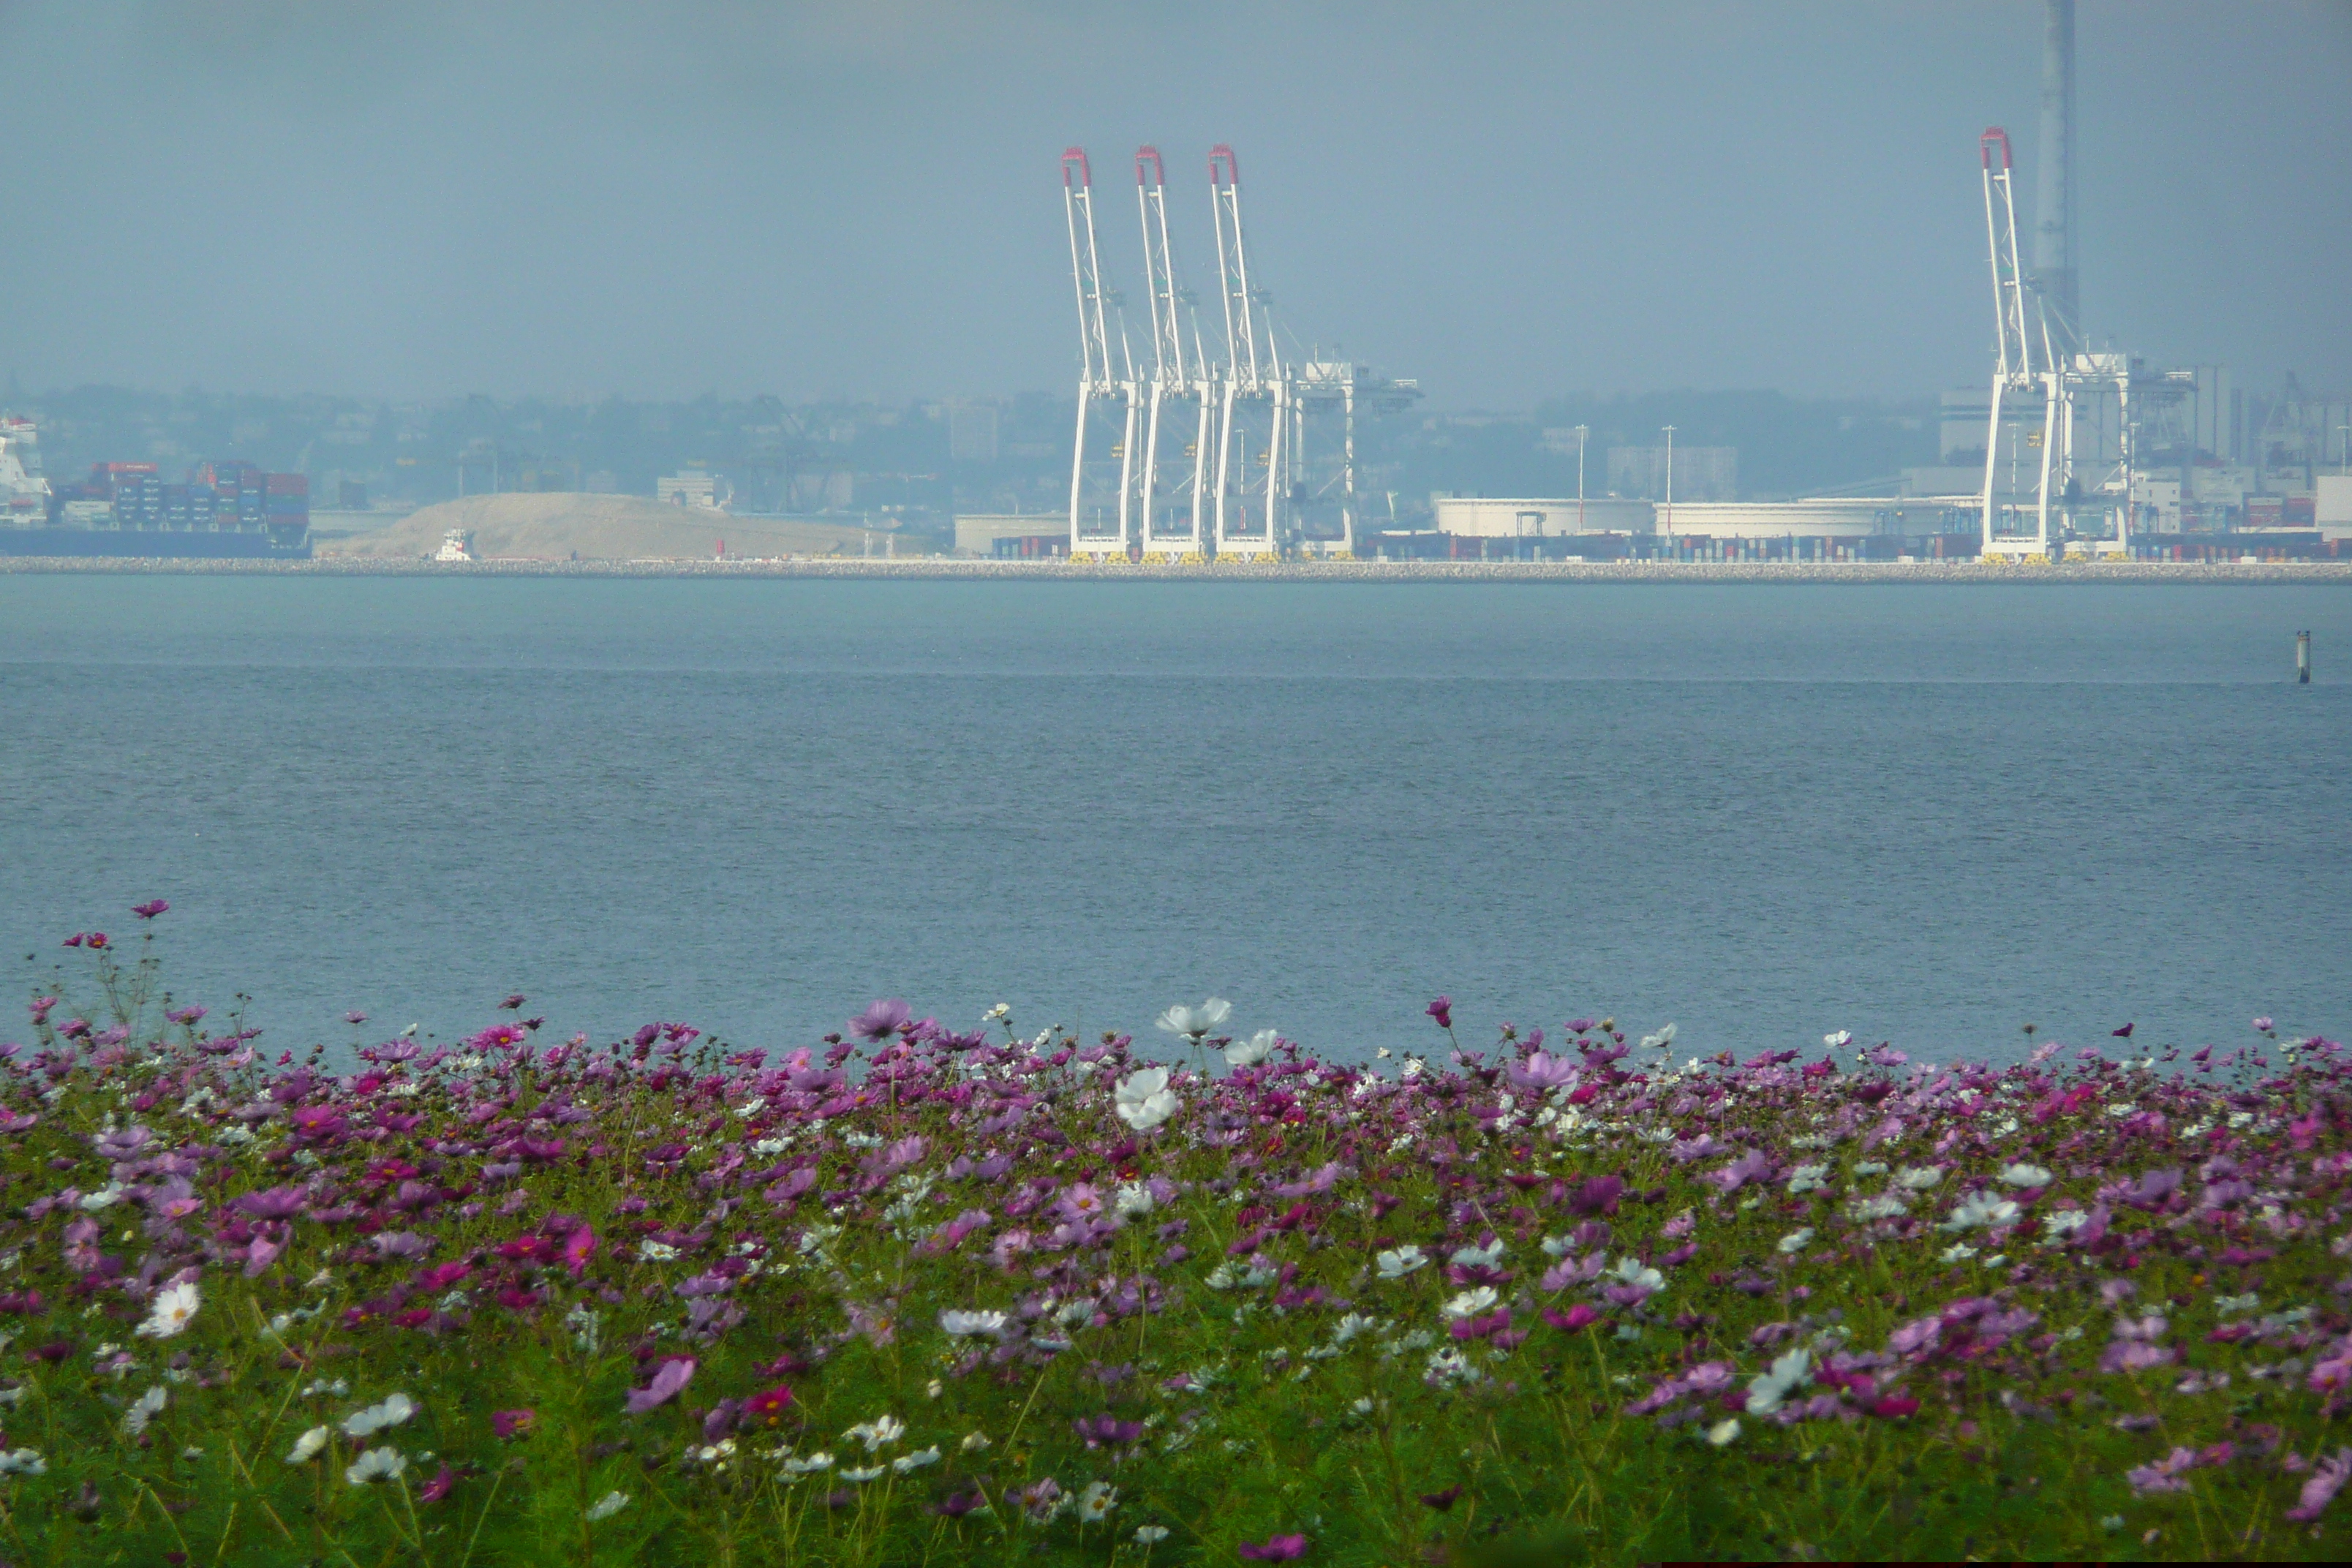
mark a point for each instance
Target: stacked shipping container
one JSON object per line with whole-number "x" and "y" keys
{"x": 217, "y": 497}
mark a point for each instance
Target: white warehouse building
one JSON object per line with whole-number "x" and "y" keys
{"x": 1480, "y": 516}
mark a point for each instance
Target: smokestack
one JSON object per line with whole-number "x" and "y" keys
{"x": 2053, "y": 229}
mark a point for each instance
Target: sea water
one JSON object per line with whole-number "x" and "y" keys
{"x": 1933, "y": 814}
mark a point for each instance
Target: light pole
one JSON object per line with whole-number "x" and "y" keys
{"x": 1670, "y": 479}
{"x": 1582, "y": 432}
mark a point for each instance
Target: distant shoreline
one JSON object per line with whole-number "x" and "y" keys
{"x": 2135, "y": 572}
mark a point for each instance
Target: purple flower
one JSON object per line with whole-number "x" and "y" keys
{"x": 271, "y": 1203}
{"x": 2150, "y": 1191}
{"x": 1597, "y": 1196}
{"x": 671, "y": 1376}
{"x": 1280, "y": 1549}
{"x": 1541, "y": 1072}
{"x": 881, "y": 1021}
{"x": 153, "y": 907}
{"x": 1443, "y": 1011}
{"x": 1753, "y": 1166}
{"x": 2328, "y": 1478}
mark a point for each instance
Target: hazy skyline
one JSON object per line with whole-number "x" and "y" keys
{"x": 428, "y": 199}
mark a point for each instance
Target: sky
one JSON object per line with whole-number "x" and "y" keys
{"x": 580, "y": 198}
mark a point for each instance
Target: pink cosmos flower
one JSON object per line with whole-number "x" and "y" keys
{"x": 671, "y": 1378}
{"x": 439, "y": 1487}
{"x": 150, "y": 909}
{"x": 578, "y": 1247}
{"x": 2164, "y": 1475}
{"x": 1280, "y": 1549}
{"x": 2328, "y": 1478}
{"x": 1575, "y": 1318}
{"x": 1443, "y": 1011}
{"x": 509, "y": 1423}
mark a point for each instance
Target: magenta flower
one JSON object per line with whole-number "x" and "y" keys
{"x": 1443, "y": 1011}
{"x": 150, "y": 909}
{"x": 439, "y": 1487}
{"x": 508, "y": 1423}
{"x": 672, "y": 1377}
{"x": 1580, "y": 1316}
{"x": 578, "y": 1247}
{"x": 1281, "y": 1549}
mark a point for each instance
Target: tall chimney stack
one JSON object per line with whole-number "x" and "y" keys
{"x": 2053, "y": 231}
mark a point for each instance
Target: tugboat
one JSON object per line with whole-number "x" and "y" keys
{"x": 456, "y": 545}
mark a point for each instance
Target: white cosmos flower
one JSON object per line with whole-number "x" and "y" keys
{"x": 1784, "y": 1377}
{"x": 605, "y": 1507}
{"x": 1401, "y": 1261}
{"x": 389, "y": 1411}
{"x": 1195, "y": 1022}
{"x": 907, "y": 1464}
{"x": 1797, "y": 1240}
{"x": 655, "y": 1251}
{"x": 150, "y": 1405}
{"x": 1134, "y": 1200}
{"x": 172, "y": 1310}
{"x": 2025, "y": 1175}
{"x": 1144, "y": 1099}
{"x": 1807, "y": 1179}
{"x": 1980, "y": 1209}
{"x": 1479, "y": 1257}
{"x": 306, "y": 1447}
{"x": 1724, "y": 1432}
{"x": 1151, "y": 1534}
{"x": 1250, "y": 1052}
{"x": 880, "y": 1432}
{"x": 865, "y": 1473}
{"x": 813, "y": 1462}
{"x": 958, "y": 1324}
{"x": 376, "y": 1464}
{"x": 1470, "y": 1303}
{"x": 22, "y": 1462}
{"x": 1097, "y": 1502}
{"x": 1839, "y": 1040}
{"x": 1633, "y": 1271}
{"x": 1659, "y": 1039}
{"x": 1919, "y": 1178}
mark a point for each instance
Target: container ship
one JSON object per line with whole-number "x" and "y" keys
{"x": 222, "y": 511}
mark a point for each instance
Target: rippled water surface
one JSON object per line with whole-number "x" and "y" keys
{"x": 1931, "y": 813}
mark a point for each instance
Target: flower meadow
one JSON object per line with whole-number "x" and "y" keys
{"x": 912, "y": 1295}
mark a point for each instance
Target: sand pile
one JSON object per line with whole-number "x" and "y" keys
{"x": 555, "y": 526}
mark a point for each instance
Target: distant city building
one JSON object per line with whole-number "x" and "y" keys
{"x": 1701, "y": 473}
{"x": 693, "y": 488}
{"x": 971, "y": 432}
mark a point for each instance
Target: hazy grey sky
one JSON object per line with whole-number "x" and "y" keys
{"x": 417, "y": 198}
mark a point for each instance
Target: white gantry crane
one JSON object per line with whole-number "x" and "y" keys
{"x": 1183, "y": 453}
{"x": 1182, "y": 397}
{"x": 2023, "y": 365}
{"x": 1252, "y": 483}
{"x": 1102, "y": 466}
{"x": 2085, "y": 455}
